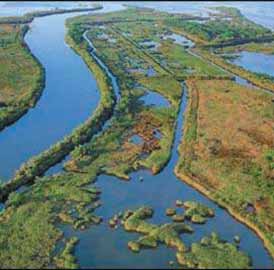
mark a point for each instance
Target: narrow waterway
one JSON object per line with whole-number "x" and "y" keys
{"x": 104, "y": 247}
{"x": 69, "y": 97}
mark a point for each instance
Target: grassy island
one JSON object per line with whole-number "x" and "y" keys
{"x": 210, "y": 252}
{"x": 226, "y": 152}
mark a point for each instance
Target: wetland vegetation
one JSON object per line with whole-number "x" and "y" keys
{"x": 226, "y": 151}
{"x": 22, "y": 76}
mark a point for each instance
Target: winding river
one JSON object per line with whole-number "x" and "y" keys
{"x": 70, "y": 96}
{"x": 104, "y": 247}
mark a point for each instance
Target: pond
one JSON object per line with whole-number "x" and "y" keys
{"x": 178, "y": 39}
{"x": 255, "y": 62}
{"x": 154, "y": 99}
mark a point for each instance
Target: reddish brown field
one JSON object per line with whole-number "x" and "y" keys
{"x": 227, "y": 150}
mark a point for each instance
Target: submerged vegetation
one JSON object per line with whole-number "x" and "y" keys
{"x": 226, "y": 152}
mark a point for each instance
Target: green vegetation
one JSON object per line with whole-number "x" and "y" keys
{"x": 22, "y": 76}
{"x": 131, "y": 116}
{"x": 233, "y": 168}
{"x": 261, "y": 80}
{"x": 169, "y": 234}
{"x": 197, "y": 212}
{"x": 66, "y": 260}
{"x": 213, "y": 159}
{"x": 185, "y": 65}
{"x": 28, "y": 224}
{"x": 267, "y": 48}
{"x": 213, "y": 253}
{"x": 229, "y": 27}
{"x": 38, "y": 165}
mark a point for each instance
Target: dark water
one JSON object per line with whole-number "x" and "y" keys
{"x": 255, "y": 62}
{"x": 69, "y": 98}
{"x": 104, "y": 247}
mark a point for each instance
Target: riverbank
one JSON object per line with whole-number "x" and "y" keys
{"x": 40, "y": 221}
{"x": 258, "y": 80}
{"x": 207, "y": 158}
{"x": 19, "y": 63}
{"x": 38, "y": 165}
{"x": 20, "y": 101}
{"x": 191, "y": 181}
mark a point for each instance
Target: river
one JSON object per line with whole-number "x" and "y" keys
{"x": 104, "y": 247}
{"x": 70, "y": 96}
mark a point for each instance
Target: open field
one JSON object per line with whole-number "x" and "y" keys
{"x": 227, "y": 151}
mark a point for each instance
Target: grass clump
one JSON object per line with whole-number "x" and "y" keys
{"x": 168, "y": 234}
{"x": 212, "y": 252}
{"x": 66, "y": 260}
{"x": 28, "y": 226}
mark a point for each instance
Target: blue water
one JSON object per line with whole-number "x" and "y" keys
{"x": 104, "y": 247}
{"x": 136, "y": 139}
{"x": 256, "y": 62}
{"x": 65, "y": 104}
{"x": 69, "y": 97}
{"x": 179, "y": 39}
{"x": 154, "y": 99}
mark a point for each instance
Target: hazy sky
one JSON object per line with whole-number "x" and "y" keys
{"x": 260, "y": 11}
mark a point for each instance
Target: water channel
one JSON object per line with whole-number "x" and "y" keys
{"x": 70, "y": 96}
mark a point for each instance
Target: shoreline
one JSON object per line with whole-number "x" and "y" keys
{"x": 35, "y": 94}
{"x": 183, "y": 176}
{"x": 39, "y": 164}
{"x": 206, "y": 192}
{"x": 238, "y": 71}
